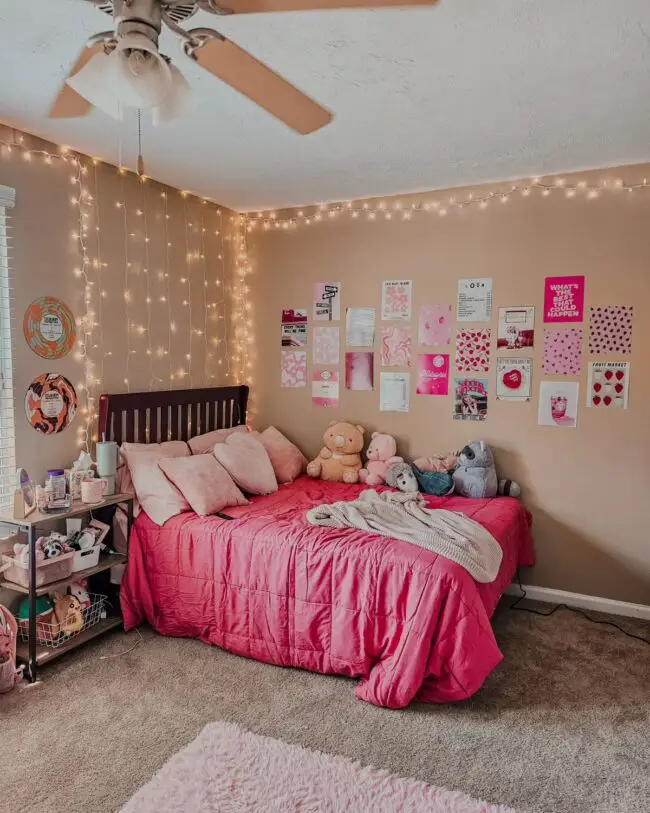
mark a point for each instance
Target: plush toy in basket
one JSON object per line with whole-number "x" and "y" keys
{"x": 380, "y": 455}
{"x": 339, "y": 460}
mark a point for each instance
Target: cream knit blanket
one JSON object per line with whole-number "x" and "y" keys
{"x": 404, "y": 516}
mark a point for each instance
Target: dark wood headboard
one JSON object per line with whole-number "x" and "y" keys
{"x": 153, "y": 417}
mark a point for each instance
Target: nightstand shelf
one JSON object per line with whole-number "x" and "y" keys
{"x": 33, "y": 653}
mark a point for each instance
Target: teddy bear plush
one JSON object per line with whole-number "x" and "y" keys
{"x": 339, "y": 460}
{"x": 380, "y": 456}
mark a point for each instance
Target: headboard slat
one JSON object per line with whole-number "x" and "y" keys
{"x": 193, "y": 412}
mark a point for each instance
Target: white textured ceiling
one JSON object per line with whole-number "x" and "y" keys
{"x": 468, "y": 91}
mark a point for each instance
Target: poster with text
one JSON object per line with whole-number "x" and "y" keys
{"x": 326, "y": 345}
{"x": 514, "y": 379}
{"x": 516, "y": 328}
{"x": 434, "y": 325}
{"x": 608, "y": 384}
{"x": 396, "y": 296}
{"x": 325, "y": 388}
{"x": 327, "y": 301}
{"x": 470, "y": 399}
{"x": 360, "y": 370}
{"x": 474, "y": 302}
{"x": 293, "y": 368}
{"x": 558, "y": 404}
{"x": 564, "y": 299}
{"x": 394, "y": 392}
{"x": 297, "y": 316}
{"x": 433, "y": 374}
{"x": 360, "y": 327}
{"x": 294, "y": 328}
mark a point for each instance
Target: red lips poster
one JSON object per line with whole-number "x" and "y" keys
{"x": 514, "y": 376}
{"x": 608, "y": 384}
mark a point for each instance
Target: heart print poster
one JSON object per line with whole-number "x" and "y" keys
{"x": 562, "y": 351}
{"x": 610, "y": 330}
{"x": 514, "y": 379}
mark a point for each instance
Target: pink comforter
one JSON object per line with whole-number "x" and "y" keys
{"x": 270, "y": 586}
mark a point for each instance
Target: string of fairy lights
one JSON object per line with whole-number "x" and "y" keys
{"x": 225, "y": 330}
{"x": 95, "y": 343}
{"x": 381, "y": 210}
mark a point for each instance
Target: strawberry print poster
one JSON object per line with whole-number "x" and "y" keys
{"x": 433, "y": 374}
{"x": 514, "y": 379}
{"x": 396, "y": 346}
{"x": 470, "y": 399}
{"x": 474, "y": 300}
{"x": 434, "y": 326}
{"x": 293, "y": 368}
{"x": 325, "y": 388}
{"x": 327, "y": 301}
{"x": 558, "y": 404}
{"x": 326, "y": 345}
{"x": 359, "y": 370}
{"x": 564, "y": 299}
{"x": 473, "y": 350}
{"x": 610, "y": 330}
{"x": 396, "y": 296}
{"x": 516, "y": 328}
{"x": 562, "y": 351}
{"x": 608, "y": 384}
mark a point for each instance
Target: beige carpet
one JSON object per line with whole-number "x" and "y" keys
{"x": 562, "y": 726}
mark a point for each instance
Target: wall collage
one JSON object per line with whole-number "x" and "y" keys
{"x": 609, "y": 331}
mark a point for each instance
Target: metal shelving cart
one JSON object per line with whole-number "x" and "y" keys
{"x": 31, "y": 652}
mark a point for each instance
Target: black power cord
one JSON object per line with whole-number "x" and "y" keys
{"x": 557, "y": 607}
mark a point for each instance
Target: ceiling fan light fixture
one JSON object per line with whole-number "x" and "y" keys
{"x": 134, "y": 74}
{"x": 180, "y": 101}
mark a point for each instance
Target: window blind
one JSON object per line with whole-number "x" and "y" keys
{"x": 7, "y": 423}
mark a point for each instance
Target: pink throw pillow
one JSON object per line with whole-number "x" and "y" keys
{"x": 204, "y": 444}
{"x": 158, "y": 497}
{"x": 246, "y": 460}
{"x": 286, "y": 458}
{"x": 204, "y": 483}
{"x": 170, "y": 448}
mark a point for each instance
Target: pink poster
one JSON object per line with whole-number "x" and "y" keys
{"x": 473, "y": 350}
{"x": 325, "y": 388}
{"x": 359, "y": 370}
{"x": 562, "y": 351}
{"x": 293, "y": 368}
{"x": 433, "y": 374}
{"x": 435, "y": 325}
{"x": 396, "y": 346}
{"x": 610, "y": 330}
{"x": 564, "y": 299}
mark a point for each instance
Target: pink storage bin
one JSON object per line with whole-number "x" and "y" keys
{"x": 51, "y": 570}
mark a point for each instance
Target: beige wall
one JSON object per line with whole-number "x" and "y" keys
{"x": 44, "y": 256}
{"x": 587, "y": 487}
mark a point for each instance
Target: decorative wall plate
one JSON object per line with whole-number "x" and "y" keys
{"x": 49, "y": 327}
{"x": 50, "y": 403}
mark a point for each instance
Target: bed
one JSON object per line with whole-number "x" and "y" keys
{"x": 266, "y": 584}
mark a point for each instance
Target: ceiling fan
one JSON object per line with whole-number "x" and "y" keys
{"x": 123, "y": 66}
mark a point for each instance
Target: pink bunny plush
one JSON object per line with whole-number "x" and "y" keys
{"x": 380, "y": 456}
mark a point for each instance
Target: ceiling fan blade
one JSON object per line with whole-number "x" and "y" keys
{"x": 260, "y": 84}
{"x": 257, "y": 6}
{"x": 68, "y": 103}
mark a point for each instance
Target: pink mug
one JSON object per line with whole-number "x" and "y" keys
{"x": 92, "y": 491}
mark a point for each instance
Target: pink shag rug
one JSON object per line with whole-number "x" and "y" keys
{"x": 230, "y": 770}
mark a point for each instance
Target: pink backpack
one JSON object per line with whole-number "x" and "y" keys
{"x": 9, "y": 675}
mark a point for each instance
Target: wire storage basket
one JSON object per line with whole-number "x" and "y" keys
{"x": 52, "y": 632}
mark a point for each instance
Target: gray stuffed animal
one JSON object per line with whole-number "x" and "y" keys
{"x": 401, "y": 476}
{"x": 476, "y": 475}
